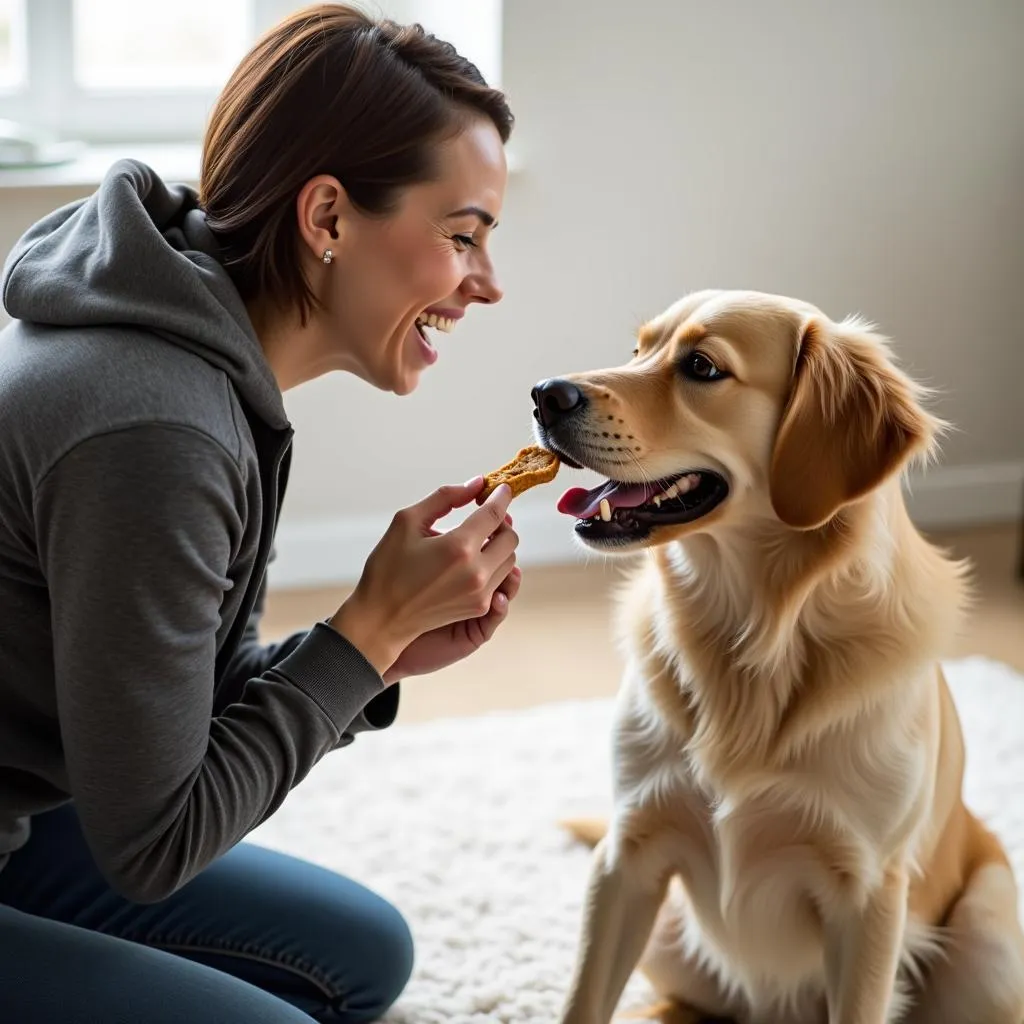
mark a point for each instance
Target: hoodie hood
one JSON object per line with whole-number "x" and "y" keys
{"x": 139, "y": 253}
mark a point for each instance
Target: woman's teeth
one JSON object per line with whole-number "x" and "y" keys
{"x": 442, "y": 323}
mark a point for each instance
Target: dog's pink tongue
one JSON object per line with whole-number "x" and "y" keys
{"x": 578, "y": 502}
{"x": 583, "y": 504}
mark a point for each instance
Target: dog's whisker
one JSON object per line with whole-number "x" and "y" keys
{"x": 645, "y": 477}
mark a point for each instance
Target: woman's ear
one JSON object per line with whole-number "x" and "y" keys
{"x": 852, "y": 421}
{"x": 319, "y": 208}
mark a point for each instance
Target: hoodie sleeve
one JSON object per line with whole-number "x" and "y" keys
{"x": 253, "y": 658}
{"x": 136, "y": 531}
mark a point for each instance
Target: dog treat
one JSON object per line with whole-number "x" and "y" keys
{"x": 530, "y": 467}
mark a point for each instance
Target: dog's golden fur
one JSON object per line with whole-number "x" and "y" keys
{"x": 788, "y": 844}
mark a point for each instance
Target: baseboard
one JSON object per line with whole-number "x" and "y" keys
{"x": 332, "y": 552}
{"x": 977, "y": 495}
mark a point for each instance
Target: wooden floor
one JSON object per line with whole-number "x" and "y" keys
{"x": 556, "y": 644}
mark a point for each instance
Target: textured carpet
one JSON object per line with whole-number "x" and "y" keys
{"x": 455, "y": 822}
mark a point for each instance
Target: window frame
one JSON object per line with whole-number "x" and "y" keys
{"x": 50, "y": 100}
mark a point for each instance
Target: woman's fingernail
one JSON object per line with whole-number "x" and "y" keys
{"x": 473, "y": 482}
{"x": 500, "y": 602}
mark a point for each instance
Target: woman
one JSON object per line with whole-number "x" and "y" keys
{"x": 352, "y": 171}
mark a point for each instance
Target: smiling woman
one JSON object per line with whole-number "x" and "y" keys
{"x": 353, "y": 171}
{"x": 399, "y": 207}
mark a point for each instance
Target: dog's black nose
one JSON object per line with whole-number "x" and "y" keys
{"x": 555, "y": 399}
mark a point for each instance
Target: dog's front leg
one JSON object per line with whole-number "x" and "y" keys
{"x": 862, "y": 951}
{"x": 624, "y": 895}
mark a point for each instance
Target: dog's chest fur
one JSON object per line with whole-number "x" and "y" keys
{"x": 769, "y": 845}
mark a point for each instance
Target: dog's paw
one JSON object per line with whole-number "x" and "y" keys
{"x": 588, "y": 831}
{"x": 670, "y": 1012}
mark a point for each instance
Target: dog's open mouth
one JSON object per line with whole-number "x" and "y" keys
{"x": 629, "y": 511}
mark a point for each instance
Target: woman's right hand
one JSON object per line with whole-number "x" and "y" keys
{"x": 416, "y": 579}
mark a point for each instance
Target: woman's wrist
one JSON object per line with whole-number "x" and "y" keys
{"x": 368, "y": 632}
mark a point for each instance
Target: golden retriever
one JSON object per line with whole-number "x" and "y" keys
{"x": 788, "y": 843}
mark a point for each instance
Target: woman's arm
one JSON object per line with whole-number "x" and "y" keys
{"x": 136, "y": 532}
{"x": 253, "y": 658}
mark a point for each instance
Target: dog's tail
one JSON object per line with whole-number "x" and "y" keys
{"x": 589, "y": 831}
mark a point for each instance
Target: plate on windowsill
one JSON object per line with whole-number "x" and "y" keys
{"x": 22, "y": 147}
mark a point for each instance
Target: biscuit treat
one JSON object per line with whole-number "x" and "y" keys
{"x": 530, "y": 467}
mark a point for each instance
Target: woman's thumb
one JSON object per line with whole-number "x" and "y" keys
{"x": 439, "y": 503}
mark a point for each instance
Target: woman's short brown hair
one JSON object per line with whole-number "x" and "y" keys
{"x": 329, "y": 90}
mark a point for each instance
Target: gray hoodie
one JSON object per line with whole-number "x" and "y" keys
{"x": 144, "y": 451}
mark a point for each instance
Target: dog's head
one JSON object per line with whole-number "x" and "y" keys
{"x": 736, "y": 406}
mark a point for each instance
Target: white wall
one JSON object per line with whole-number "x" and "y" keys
{"x": 867, "y": 157}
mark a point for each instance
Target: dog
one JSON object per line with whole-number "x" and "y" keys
{"x": 788, "y": 842}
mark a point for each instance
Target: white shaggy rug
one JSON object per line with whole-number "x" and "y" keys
{"x": 455, "y": 822}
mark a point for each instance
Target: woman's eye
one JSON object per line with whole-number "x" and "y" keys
{"x": 698, "y": 366}
{"x": 464, "y": 241}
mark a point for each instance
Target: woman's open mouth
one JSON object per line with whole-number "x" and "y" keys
{"x": 622, "y": 512}
{"x": 441, "y": 323}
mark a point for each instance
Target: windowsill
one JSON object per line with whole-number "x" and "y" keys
{"x": 172, "y": 161}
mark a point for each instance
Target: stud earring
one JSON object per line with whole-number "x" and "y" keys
{"x": 327, "y": 256}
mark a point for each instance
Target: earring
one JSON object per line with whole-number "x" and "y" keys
{"x": 327, "y": 256}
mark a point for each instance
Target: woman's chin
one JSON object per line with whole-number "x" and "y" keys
{"x": 407, "y": 384}
{"x": 414, "y": 355}
{"x": 406, "y": 377}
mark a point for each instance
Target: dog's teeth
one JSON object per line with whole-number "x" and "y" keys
{"x": 657, "y": 500}
{"x": 671, "y": 491}
{"x": 606, "y": 510}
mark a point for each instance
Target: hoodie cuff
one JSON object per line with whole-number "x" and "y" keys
{"x": 347, "y": 688}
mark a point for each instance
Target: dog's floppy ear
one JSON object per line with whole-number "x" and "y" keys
{"x": 852, "y": 420}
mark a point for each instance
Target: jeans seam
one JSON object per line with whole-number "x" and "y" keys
{"x": 302, "y": 969}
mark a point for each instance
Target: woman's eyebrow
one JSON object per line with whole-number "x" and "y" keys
{"x": 474, "y": 211}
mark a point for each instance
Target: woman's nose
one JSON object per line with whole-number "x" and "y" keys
{"x": 483, "y": 288}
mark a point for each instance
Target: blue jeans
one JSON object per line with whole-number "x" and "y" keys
{"x": 256, "y": 938}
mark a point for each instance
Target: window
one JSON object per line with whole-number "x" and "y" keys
{"x": 135, "y": 71}
{"x": 150, "y": 51}
{"x": 12, "y": 45}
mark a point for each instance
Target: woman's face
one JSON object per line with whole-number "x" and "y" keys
{"x": 398, "y": 283}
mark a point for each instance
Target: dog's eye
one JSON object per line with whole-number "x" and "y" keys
{"x": 698, "y": 366}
